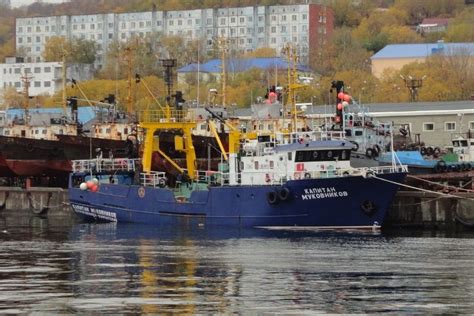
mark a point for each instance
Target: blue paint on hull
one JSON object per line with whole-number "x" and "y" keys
{"x": 331, "y": 202}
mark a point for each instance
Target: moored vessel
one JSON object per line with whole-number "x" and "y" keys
{"x": 285, "y": 180}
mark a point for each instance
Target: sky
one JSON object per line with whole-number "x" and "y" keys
{"x": 18, "y": 3}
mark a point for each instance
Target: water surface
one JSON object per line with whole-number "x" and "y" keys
{"x": 49, "y": 267}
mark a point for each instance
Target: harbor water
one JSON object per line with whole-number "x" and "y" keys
{"x": 52, "y": 266}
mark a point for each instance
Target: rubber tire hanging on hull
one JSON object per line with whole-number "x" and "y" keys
{"x": 284, "y": 194}
{"x": 272, "y": 197}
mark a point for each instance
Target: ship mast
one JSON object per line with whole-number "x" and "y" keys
{"x": 64, "y": 97}
{"x": 223, "y": 47}
{"x": 128, "y": 58}
{"x": 290, "y": 52}
{"x": 26, "y": 78}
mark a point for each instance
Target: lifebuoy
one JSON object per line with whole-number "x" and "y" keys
{"x": 423, "y": 150}
{"x": 297, "y": 175}
{"x": 436, "y": 150}
{"x": 307, "y": 175}
{"x": 284, "y": 193}
{"x": 272, "y": 197}
{"x": 368, "y": 207}
{"x": 30, "y": 147}
{"x": 346, "y": 173}
{"x": 403, "y": 131}
{"x": 369, "y": 152}
{"x": 468, "y": 166}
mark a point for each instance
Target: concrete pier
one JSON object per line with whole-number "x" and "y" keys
{"x": 430, "y": 210}
{"x": 36, "y": 201}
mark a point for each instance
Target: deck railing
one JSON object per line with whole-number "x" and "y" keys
{"x": 153, "y": 179}
{"x": 104, "y": 165}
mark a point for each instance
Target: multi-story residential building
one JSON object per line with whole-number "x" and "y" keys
{"x": 44, "y": 78}
{"x": 247, "y": 28}
{"x": 5, "y": 3}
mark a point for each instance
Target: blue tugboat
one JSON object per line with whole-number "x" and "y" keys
{"x": 298, "y": 179}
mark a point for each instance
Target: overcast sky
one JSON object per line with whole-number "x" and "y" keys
{"x": 17, "y": 3}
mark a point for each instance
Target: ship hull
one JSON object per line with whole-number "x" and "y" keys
{"x": 39, "y": 157}
{"x": 327, "y": 203}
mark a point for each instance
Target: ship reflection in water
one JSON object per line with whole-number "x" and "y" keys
{"x": 106, "y": 268}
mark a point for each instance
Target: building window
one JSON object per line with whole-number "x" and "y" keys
{"x": 273, "y": 29}
{"x": 222, "y": 21}
{"x": 471, "y": 125}
{"x": 17, "y": 70}
{"x": 428, "y": 127}
{"x": 37, "y": 70}
{"x": 47, "y": 84}
{"x": 37, "y": 84}
{"x": 304, "y": 16}
{"x": 449, "y": 126}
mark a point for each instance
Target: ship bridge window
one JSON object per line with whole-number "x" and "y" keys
{"x": 321, "y": 155}
{"x": 7, "y": 132}
{"x": 358, "y": 133}
{"x": 44, "y": 131}
{"x": 256, "y": 165}
{"x": 290, "y": 156}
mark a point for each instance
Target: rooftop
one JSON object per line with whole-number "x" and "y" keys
{"x": 422, "y": 50}
{"x": 244, "y": 64}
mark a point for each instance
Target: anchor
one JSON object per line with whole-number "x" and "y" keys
{"x": 4, "y": 204}
{"x": 41, "y": 210}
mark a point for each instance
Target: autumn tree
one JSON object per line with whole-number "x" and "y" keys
{"x": 77, "y": 50}
{"x": 417, "y": 10}
{"x": 461, "y": 28}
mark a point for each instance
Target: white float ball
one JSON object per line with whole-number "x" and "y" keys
{"x": 345, "y": 103}
{"x": 83, "y": 186}
{"x": 96, "y": 181}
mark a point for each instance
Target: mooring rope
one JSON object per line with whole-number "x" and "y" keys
{"x": 443, "y": 185}
{"x": 420, "y": 189}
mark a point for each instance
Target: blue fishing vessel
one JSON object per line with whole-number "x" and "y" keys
{"x": 282, "y": 180}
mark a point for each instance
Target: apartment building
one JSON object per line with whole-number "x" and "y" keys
{"x": 44, "y": 77}
{"x": 308, "y": 26}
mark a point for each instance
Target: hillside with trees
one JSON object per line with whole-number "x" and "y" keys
{"x": 361, "y": 29}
